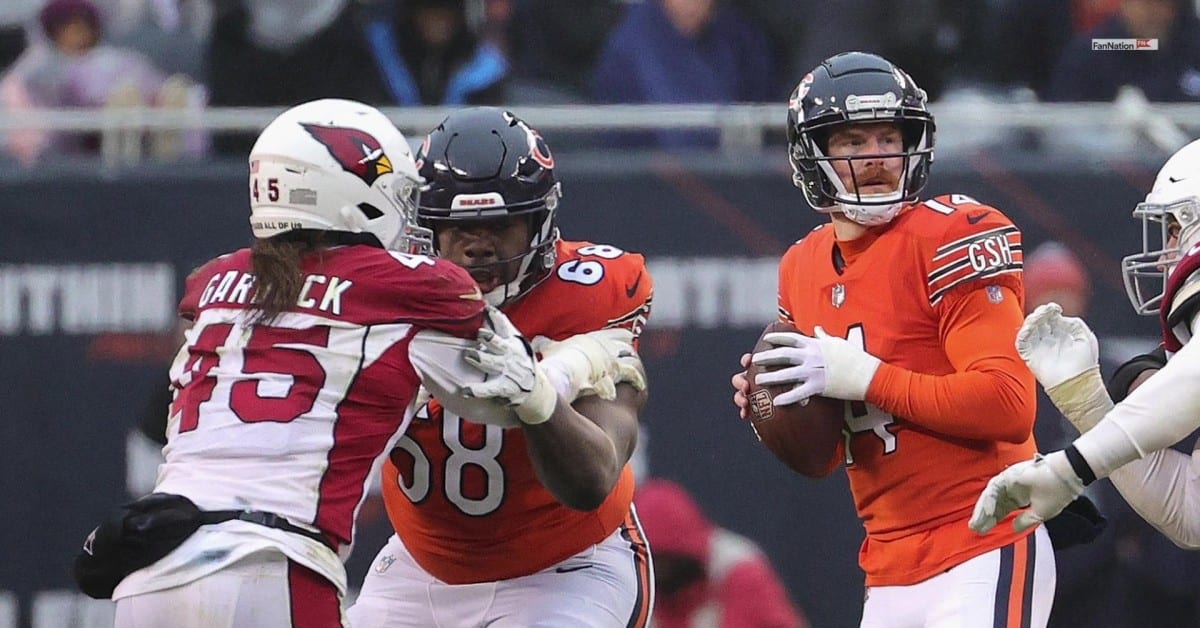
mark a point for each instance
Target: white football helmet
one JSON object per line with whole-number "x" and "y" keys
{"x": 336, "y": 165}
{"x": 1171, "y": 208}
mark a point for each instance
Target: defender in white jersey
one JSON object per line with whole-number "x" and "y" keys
{"x": 1128, "y": 442}
{"x": 302, "y": 367}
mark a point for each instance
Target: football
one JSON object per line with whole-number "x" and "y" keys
{"x": 802, "y": 436}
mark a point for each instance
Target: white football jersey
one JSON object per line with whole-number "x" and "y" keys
{"x": 289, "y": 416}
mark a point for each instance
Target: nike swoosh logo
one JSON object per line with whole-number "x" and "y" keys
{"x": 1174, "y": 180}
{"x": 974, "y": 218}
{"x": 570, "y": 569}
{"x": 631, "y": 291}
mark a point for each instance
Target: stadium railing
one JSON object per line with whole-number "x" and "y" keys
{"x": 741, "y": 127}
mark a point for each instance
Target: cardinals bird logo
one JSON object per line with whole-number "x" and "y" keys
{"x": 358, "y": 152}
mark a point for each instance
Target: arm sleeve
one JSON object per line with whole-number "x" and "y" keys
{"x": 1156, "y": 487}
{"x": 991, "y": 394}
{"x": 1162, "y": 489}
{"x": 437, "y": 358}
{"x": 1158, "y": 414}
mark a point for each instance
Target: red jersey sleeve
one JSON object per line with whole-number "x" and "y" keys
{"x": 197, "y": 280}
{"x": 431, "y": 292}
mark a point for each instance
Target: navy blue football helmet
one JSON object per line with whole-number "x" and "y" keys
{"x": 849, "y": 88}
{"x": 483, "y": 163}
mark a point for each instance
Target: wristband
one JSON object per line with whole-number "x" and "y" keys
{"x": 1079, "y": 465}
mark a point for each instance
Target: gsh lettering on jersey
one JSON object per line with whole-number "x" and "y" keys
{"x": 993, "y": 251}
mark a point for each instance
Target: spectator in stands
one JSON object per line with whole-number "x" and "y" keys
{"x": 1169, "y": 74}
{"x": 705, "y": 575}
{"x": 428, "y": 54}
{"x": 791, "y": 26}
{"x": 74, "y": 68}
{"x": 937, "y": 41}
{"x": 555, "y": 44}
{"x": 1033, "y": 33}
{"x": 172, "y": 32}
{"x": 282, "y": 52}
{"x": 686, "y": 51}
{"x": 14, "y": 15}
{"x": 1054, "y": 273}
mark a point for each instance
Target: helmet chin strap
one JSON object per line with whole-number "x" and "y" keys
{"x": 1189, "y": 236}
{"x": 871, "y": 210}
{"x": 504, "y": 292}
{"x": 870, "y": 215}
{"x": 498, "y": 295}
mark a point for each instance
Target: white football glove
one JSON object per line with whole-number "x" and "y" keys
{"x": 514, "y": 376}
{"x": 1056, "y": 347}
{"x": 1045, "y": 484}
{"x": 592, "y": 363}
{"x": 1064, "y": 356}
{"x": 825, "y": 365}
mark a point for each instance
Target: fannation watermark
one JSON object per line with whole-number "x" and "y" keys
{"x": 1124, "y": 44}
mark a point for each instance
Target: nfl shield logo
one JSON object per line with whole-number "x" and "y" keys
{"x": 761, "y": 405}
{"x": 384, "y": 563}
{"x": 994, "y": 294}
{"x": 839, "y": 295}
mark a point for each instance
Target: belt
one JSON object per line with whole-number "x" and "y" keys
{"x": 262, "y": 518}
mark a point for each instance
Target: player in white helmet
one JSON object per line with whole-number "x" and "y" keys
{"x": 1128, "y": 442}
{"x": 301, "y": 368}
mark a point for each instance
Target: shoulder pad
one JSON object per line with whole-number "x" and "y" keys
{"x": 439, "y": 290}
{"x": 1182, "y": 297}
{"x": 189, "y": 304}
{"x": 615, "y": 283}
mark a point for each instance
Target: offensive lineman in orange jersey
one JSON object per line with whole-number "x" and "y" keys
{"x": 531, "y": 525}
{"x": 908, "y": 311}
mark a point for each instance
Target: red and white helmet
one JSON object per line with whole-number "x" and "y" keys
{"x": 1171, "y": 208}
{"x": 336, "y": 165}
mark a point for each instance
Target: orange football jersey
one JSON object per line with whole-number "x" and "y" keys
{"x": 913, "y": 488}
{"x": 463, "y": 496}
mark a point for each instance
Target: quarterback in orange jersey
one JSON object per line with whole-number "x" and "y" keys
{"x": 908, "y": 310}
{"x": 527, "y": 525}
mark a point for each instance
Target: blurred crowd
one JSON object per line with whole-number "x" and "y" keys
{"x": 197, "y": 53}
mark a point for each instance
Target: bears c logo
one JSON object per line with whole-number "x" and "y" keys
{"x": 538, "y": 149}
{"x": 358, "y": 152}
